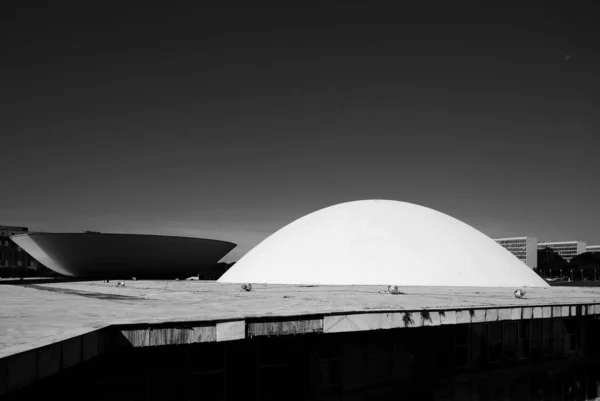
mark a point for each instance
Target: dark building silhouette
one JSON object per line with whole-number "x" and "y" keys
{"x": 14, "y": 261}
{"x": 536, "y": 359}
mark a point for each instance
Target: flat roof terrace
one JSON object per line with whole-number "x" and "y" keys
{"x": 45, "y": 328}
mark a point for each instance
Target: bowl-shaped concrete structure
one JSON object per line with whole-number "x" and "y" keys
{"x": 385, "y": 243}
{"x": 100, "y": 255}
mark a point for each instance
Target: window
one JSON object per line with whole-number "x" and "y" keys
{"x": 524, "y": 341}
{"x": 570, "y": 341}
{"x": 558, "y": 337}
{"x": 329, "y": 368}
{"x": 494, "y": 342}
{"x": 461, "y": 345}
{"x": 510, "y": 342}
{"x": 547, "y": 340}
{"x": 536, "y": 340}
{"x": 207, "y": 370}
{"x": 477, "y": 346}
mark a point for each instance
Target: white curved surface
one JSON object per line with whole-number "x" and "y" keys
{"x": 381, "y": 242}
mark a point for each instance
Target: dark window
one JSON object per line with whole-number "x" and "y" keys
{"x": 329, "y": 368}
{"x": 207, "y": 371}
{"x": 477, "y": 346}
{"x": 558, "y": 338}
{"x": 510, "y": 343}
{"x": 461, "y": 345}
{"x": 524, "y": 340}
{"x": 494, "y": 342}
{"x": 570, "y": 340}
{"x": 547, "y": 339}
{"x": 536, "y": 340}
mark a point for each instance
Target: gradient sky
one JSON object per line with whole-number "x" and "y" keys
{"x": 231, "y": 121}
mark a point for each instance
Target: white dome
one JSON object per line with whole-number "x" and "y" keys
{"x": 381, "y": 242}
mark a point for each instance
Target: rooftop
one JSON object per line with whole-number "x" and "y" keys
{"x": 83, "y": 319}
{"x": 558, "y": 242}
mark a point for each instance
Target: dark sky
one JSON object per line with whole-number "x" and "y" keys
{"x": 232, "y": 121}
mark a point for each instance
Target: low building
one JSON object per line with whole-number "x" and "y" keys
{"x": 14, "y": 262}
{"x": 524, "y": 248}
{"x": 593, "y": 248}
{"x": 566, "y": 249}
{"x": 181, "y": 340}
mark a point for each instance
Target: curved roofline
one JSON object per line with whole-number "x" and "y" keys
{"x": 377, "y": 242}
{"x": 29, "y": 234}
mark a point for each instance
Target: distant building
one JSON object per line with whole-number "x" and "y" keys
{"x": 593, "y": 248}
{"x": 108, "y": 255}
{"x": 13, "y": 260}
{"x": 566, "y": 249}
{"x": 524, "y": 248}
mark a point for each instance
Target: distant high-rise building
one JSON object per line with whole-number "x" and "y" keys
{"x": 566, "y": 249}
{"x": 593, "y": 248}
{"x": 14, "y": 261}
{"x": 524, "y": 248}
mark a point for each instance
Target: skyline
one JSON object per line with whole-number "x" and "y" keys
{"x": 233, "y": 120}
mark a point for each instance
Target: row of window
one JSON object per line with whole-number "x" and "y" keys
{"x": 517, "y": 243}
{"x": 512, "y": 343}
{"x": 386, "y": 364}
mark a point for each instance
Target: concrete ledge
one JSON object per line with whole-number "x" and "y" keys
{"x": 430, "y": 318}
{"x": 448, "y": 317}
{"x": 3, "y": 377}
{"x": 49, "y": 360}
{"x": 229, "y": 331}
{"x": 286, "y": 327}
{"x": 478, "y": 316}
{"x": 90, "y": 345}
{"x": 184, "y": 335}
{"x": 71, "y": 352}
{"x": 137, "y": 338}
{"x": 557, "y": 311}
{"x": 21, "y": 370}
{"x": 546, "y": 312}
{"x": 463, "y": 316}
{"x": 156, "y": 336}
{"x": 491, "y": 315}
{"x": 505, "y": 314}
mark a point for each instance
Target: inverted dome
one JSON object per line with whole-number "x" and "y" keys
{"x": 381, "y": 242}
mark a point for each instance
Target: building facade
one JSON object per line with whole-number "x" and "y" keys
{"x": 593, "y": 248}
{"x": 14, "y": 261}
{"x": 566, "y": 249}
{"x": 524, "y": 248}
{"x": 534, "y": 359}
